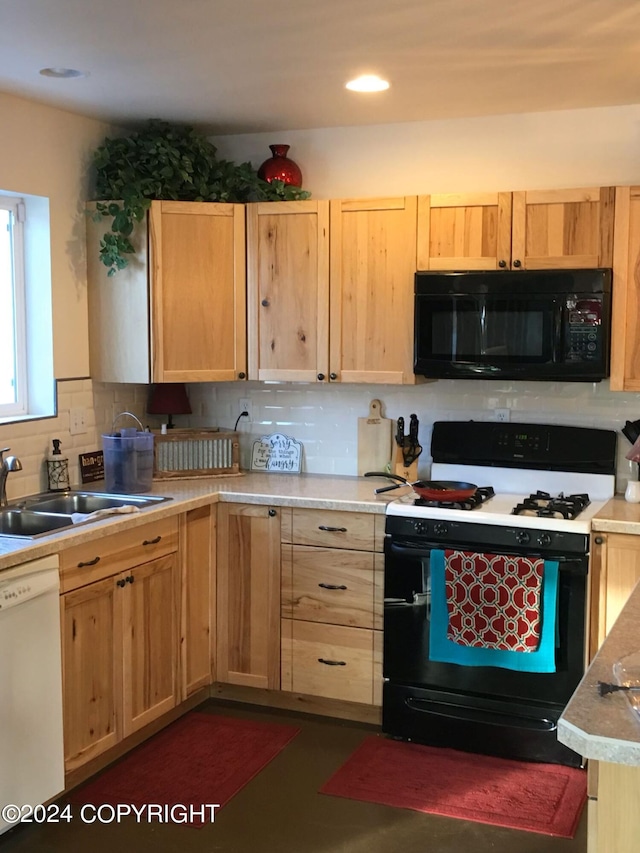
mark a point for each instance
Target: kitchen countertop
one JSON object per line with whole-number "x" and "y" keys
{"x": 617, "y": 516}
{"x": 321, "y": 491}
{"x": 604, "y": 727}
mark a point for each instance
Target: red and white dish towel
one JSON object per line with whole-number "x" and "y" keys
{"x": 493, "y": 600}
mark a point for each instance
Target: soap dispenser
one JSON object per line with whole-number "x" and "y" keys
{"x": 57, "y": 469}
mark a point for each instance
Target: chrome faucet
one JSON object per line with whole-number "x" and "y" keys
{"x": 11, "y": 463}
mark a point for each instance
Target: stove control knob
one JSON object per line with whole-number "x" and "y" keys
{"x": 421, "y": 527}
{"x": 544, "y": 539}
{"x": 441, "y": 529}
{"x": 522, "y": 537}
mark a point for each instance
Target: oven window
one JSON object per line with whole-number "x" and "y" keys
{"x": 486, "y": 329}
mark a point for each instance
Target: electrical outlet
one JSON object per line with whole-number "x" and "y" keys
{"x": 77, "y": 421}
{"x": 246, "y": 406}
{"x": 502, "y": 415}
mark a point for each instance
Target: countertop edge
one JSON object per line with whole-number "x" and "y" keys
{"x": 312, "y": 491}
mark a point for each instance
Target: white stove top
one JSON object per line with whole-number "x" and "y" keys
{"x": 512, "y": 486}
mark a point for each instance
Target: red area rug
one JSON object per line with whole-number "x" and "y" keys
{"x": 544, "y": 798}
{"x": 199, "y": 759}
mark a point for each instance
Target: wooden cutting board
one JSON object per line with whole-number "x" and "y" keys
{"x": 374, "y": 440}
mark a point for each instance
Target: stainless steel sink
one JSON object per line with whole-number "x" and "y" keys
{"x": 25, "y": 524}
{"x": 86, "y": 502}
{"x": 46, "y": 513}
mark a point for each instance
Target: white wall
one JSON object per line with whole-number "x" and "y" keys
{"x": 569, "y": 148}
{"x": 47, "y": 152}
{"x": 572, "y": 148}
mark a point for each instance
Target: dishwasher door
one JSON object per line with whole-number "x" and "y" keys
{"x": 31, "y": 734}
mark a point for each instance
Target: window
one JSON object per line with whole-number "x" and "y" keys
{"x": 13, "y": 344}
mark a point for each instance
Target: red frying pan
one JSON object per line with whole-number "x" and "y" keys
{"x": 429, "y": 490}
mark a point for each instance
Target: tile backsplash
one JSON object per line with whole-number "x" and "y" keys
{"x": 30, "y": 441}
{"x": 323, "y": 418}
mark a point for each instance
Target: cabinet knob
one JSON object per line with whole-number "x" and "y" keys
{"x": 502, "y": 264}
{"x": 272, "y": 512}
{"x": 120, "y": 583}
{"x": 321, "y": 377}
{"x": 265, "y": 303}
{"x": 130, "y": 579}
{"x": 242, "y": 376}
{"x": 599, "y": 540}
{"x": 333, "y": 376}
{"x": 517, "y": 264}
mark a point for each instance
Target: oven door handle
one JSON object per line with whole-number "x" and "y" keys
{"x": 576, "y": 564}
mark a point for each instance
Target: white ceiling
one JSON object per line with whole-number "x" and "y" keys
{"x": 246, "y": 66}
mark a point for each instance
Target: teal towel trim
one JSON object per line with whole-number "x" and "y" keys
{"x": 445, "y": 650}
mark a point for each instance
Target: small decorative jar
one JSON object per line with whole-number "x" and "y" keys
{"x": 280, "y": 168}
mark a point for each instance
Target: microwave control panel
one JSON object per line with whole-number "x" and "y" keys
{"x": 583, "y": 329}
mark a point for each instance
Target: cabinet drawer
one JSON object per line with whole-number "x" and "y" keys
{"x": 332, "y": 529}
{"x": 327, "y": 660}
{"x": 328, "y": 585}
{"x": 109, "y": 554}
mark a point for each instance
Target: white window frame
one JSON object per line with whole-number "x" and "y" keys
{"x": 16, "y": 207}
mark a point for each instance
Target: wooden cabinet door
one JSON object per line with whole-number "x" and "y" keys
{"x": 288, "y": 290}
{"x": 464, "y": 231}
{"x": 198, "y": 291}
{"x": 150, "y": 641}
{"x": 563, "y": 229}
{"x": 615, "y": 570}
{"x": 625, "y": 326}
{"x": 248, "y": 596}
{"x": 197, "y": 555}
{"x": 373, "y": 257}
{"x": 92, "y": 670}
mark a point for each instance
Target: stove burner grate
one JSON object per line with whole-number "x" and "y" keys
{"x": 481, "y": 496}
{"x": 543, "y": 505}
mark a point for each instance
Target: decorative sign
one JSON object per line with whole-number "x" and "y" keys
{"x": 277, "y": 452}
{"x": 92, "y": 466}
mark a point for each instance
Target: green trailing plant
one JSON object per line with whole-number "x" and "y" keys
{"x": 168, "y": 161}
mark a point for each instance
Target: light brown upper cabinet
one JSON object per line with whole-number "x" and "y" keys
{"x": 330, "y": 290}
{"x": 177, "y": 313}
{"x": 625, "y": 325}
{"x": 288, "y": 290}
{"x": 373, "y": 262}
{"x": 533, "y": 229}
{"x": 464, "y": 231}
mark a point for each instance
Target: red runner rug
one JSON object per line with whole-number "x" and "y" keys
{"x": 544, "y": 798}
{"x": 199, "y": 759}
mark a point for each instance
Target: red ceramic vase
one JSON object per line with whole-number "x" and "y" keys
{"x": 280, "y": 168}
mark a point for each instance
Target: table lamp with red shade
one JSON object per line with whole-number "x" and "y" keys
{"x": 168, "y": 398}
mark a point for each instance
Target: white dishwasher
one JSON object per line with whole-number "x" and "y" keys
{"x": 31, "y": 735}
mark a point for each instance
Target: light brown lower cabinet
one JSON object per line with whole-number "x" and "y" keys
{"x": 614, "y": 572}
{"x": 119, "y": 641}
{"x": 331, "y": 609}
{"x": 248, "y": 595}
{"x": 198, "y": 573}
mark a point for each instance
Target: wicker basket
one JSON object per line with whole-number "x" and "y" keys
{"x": 190, "y": 453}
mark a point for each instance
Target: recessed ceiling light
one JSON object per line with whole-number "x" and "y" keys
{"x": 367, "y": 83}
{"x": 64, "y": 73}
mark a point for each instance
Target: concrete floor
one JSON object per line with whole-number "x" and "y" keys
{"x": 281, "y": 811}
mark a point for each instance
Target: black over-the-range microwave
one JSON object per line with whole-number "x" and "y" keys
{"x": 531, "y": 324}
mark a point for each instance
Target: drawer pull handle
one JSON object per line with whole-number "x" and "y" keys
{"x": 332, "y": 662}
{"x": 152, "y": 541}
{"x": 89, "y": 563}
{"x": 332, "y": 529}
{"x": 332, "y": 586}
